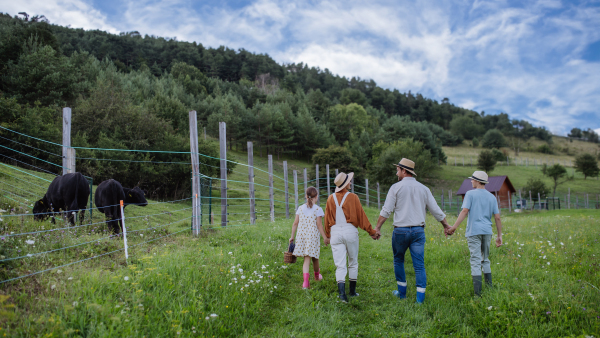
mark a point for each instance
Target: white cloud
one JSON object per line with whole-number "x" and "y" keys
{"x": 76, "y": 13}
{"x": 483, "y": 55}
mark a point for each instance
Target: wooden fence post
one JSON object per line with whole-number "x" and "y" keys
{"x": 530, "y": 200}
{"x": 271, "y": 197}
{"x": 287, "y": 196}
{"x": 305, "y": 181}
{"x": 196, "y": 190}
{"x": 328, "y": 182}
{"x": 378, "y": 198}
{"x": 71, "y": 160}
{"x": 367, "y": 190}
{"x": 509, "y": 204}
{"x": 317, "y": 183}
{"x": 336, "y": 172}
{"x": 66, "y": 139}
{"x": 353, "y": 186}
{"x": 223, "y": 155}
{"x": 443, "y": 206}
{"x": 295, "y": 191}
{"x": 251, "y": 182}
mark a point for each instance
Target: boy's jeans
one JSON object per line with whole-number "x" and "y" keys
{"x": 412, "y": 238}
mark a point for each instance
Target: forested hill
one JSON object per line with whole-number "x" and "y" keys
{"x": 134, "y": 92}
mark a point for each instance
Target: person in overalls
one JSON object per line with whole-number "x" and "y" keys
{"x": 343, "y": 215}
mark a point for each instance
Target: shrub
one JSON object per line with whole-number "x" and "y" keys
{"x": 544, "y": 149}
{"x": 498, "y": 155}
{"x": 536, "y": 185}
{"x": 493, "y": 139}
{"x": 486, "y": 161}
{"x": 587, "y": 165}
{"x": 382, "y": 170}
{"x": 475, "y": 142}
{"x": 338, "y": 158}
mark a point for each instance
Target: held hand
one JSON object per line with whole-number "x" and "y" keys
{"x": 291, "y": 239}
{"x": 326, "y": 241}
{"x": 498, "y": 241}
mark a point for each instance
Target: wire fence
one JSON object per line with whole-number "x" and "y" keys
{"x": 32, "y": 246}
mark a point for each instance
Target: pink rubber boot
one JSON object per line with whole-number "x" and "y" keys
{"x": 306, "y": 283}
{"x": 318, "y": 275}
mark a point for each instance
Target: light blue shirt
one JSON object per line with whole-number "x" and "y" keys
{"x": 482, "y": 207}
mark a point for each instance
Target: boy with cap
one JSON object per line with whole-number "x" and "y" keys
{"x": 479, "y": 205}
{"x": 343, "y": 215}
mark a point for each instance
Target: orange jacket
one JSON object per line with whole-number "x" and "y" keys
{"x": 353, "y": 211}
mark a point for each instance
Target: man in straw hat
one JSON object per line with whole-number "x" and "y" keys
{"x": 479, "y": 205}
{"x": 408, "y": 200}
{"x": 343, "y": 215}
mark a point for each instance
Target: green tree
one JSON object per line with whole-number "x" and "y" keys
{"x": 556, "y": 173}
{"x": 475, "y": 142}
{"x": 351, "y": 95}
{"x": 382, "y": 169}
{"x": 575, "y": 133}
{"x": 344, "y": 119}
{"x": 465, "y": 126}
{"x": 493, "y": 139}
{"x": 535, "y": 186}
{"x": 587, "y": 165}
{"x": 486, "y": 161}
{"x": 338, "y": 158}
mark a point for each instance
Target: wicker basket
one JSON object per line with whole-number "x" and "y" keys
{"x": 289, "y": 257}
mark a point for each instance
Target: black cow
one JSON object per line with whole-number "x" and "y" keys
{"x": 69, "y": 192}
{"x": 108, "y": 197}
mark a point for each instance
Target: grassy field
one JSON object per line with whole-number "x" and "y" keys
{"x": 232, "y": 281}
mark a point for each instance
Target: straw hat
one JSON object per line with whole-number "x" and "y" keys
{"x": 480, "y": 176}
{"x": 408, "y": 165}
{"x": 342, "y": 180}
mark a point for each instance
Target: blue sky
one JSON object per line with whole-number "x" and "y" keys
{"x": 535, "y": 60}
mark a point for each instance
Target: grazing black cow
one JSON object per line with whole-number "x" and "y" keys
{"x": 108, "y": 197}
{"x": 69, "y": 192}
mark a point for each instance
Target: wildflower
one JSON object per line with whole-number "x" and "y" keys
{"x": 521, "y": 311}
{"x": 30, "y": 242}
{"x": 489, "y": 308}
{"x": 241, "y": 270}
{"x": 59, "y": 271}
{"x": 275, "y": 286}
{"x": 126, "y": 278}
{"x": 246, "y": 285}
{"x": 263, "y": 267}
{"x": 548, "y": 263}
{"x": 243, "y": 277}
{"x": 70, "y": 278}
{"x": 231, "y": 253}
{"x": 214, "y": 315}
{"x": 548, "y": 312}
{"x": 230, "y": 283}
{"x": 53, "y": 286}
{"x": 75, "y": 303}
{"x": 207, "y": 318}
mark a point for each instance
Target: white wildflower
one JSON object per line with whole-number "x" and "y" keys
{"x": 53, "y": 287}
{"x": 75, "y": 303}
{"x": 548, "y": 263}
{"x": 490, "y": 308}
{"x": 214, "y": 315}
{"x": 231, "y": 253}
{"x": 30, "y": 241}
{"x": 70, "y": 278}
{"x": 126, "y": 278}
{"x": 243, "y": 277}
{"x": 246, "y": 285}
{"x": 241, "y": 270}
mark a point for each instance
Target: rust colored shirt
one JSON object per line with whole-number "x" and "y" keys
{"x": 353, "y": 210}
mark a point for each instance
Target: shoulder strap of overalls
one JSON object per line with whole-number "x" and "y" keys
{"x": 344, "y": 199}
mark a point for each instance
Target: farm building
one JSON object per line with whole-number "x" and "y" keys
{"x": 500, "y": 186}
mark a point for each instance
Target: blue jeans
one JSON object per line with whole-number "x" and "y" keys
{"x": 412, "y": 238}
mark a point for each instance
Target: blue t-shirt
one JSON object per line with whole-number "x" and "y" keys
{"x": 482, "y": 207}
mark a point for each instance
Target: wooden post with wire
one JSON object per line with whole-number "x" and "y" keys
{"x": 271, "y": 197}
{"x": 367, "y": 190}
{"x": 305, "y": 181}
{"x": 251, "y": 183}
{"x": 317, "y": 183}
{"x": 287, "y": 195}
{"x": 295, "y": 191}
{"x": 378, "y": 197}
{"x": 66, "y": 140}
{"x": 124, "y": 232}
{"x": 328, "y": 181}
{"x": 223, "y": 155}
{"x": 196, "y": 189}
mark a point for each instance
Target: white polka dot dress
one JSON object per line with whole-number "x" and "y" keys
{"x": 308, "y": 242}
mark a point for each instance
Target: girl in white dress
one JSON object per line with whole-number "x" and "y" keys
{"x": 309, "y": 223}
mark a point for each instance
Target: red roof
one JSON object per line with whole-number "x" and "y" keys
{"x": 494, "y": 185}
